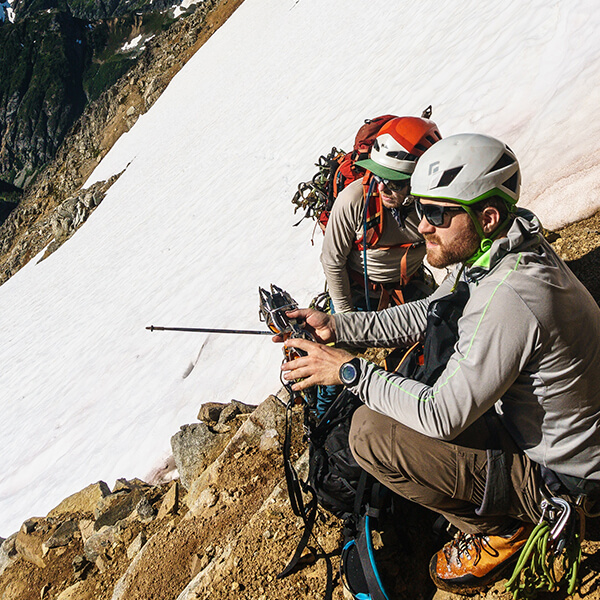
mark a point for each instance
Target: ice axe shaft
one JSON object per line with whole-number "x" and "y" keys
{"x": 210, "y": 330}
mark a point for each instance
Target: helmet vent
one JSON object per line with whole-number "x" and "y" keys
{"x": 504, "y": 161}
{"x": 512, "y": 183}
{"x": 431, "y": 139}
{"x": 402, "y": 155}
{"x": 421, "y": 147}
{"x": 448, "y": 177}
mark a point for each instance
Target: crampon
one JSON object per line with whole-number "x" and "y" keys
{"x": 274, "y": 306}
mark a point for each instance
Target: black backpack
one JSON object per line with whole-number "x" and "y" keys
{"x": 336, "y": 481}
{"x": 426, "y": 360}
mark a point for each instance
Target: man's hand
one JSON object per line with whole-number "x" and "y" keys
{"x": 320, "y": 366}
{"x": 319, "y": 324}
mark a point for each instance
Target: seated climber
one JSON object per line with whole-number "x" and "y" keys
{"x": 514, "y": 414}
{"x": 394, "y": 248}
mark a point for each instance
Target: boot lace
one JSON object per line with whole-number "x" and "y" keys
{"x": 471, "y": 545}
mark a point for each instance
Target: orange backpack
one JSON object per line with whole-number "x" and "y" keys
{"x": 336, "y": 171}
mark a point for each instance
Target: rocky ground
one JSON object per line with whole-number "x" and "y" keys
{"x": 225, "y": 529}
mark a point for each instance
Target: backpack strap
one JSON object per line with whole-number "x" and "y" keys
{"x": 373, "y": 217}
{"x": 364, "y": 546}
{"x": 358, "y": 569}
{"x": 295, "y": 487}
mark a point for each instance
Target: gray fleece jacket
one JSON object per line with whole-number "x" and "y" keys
{"x": 529, "y": 344}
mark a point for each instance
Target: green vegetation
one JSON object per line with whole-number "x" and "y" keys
{"x": 110, "y": 62}
{"x": 57, "y": 56}
{"x": 100, "y": 76}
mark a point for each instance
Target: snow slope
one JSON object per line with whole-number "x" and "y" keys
{"x": 6, "y": 11}
{"x": 202, "y": 216}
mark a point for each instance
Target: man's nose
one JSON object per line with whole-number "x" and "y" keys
{"x": 425, "y": 226}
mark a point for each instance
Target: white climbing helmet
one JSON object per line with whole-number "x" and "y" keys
{"x": 467, "y": 168}
{"x": 398, "y": 145}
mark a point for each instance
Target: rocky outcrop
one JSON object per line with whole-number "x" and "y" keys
{"x": 139, "y": 541}
{"x": 55, "y": 58}
{"x": 42, "y": 62}
{"x": 28, "y": 228}
{"x": 90, "y": 10}
{"x": 228, "y": 535}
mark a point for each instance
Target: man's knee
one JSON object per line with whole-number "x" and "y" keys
{"x": 370, "y": 436}
{"x": 382, "y": 445}
{"x": 359, "y": 432}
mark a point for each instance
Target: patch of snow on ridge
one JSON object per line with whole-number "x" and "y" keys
{"x": 132, "y": 44}
{"x": 183, "y": 7}
{"x": 6, "y": 11}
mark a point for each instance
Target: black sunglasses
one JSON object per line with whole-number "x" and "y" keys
{"x": 435, "y": 213}
{"x": 392, "y": 186}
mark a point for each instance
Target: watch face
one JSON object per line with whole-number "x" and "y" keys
{"x": 348, "y": 373}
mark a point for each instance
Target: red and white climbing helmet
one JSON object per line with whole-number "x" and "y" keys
{"x": 398, "y": 145}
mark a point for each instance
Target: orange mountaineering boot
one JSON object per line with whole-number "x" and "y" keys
{"x": 472, "y": 562}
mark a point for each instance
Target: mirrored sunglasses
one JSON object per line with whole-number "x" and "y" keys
{"x": 435, "y": 214}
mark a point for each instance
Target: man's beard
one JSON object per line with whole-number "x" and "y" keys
{"x": 461, "y": 250}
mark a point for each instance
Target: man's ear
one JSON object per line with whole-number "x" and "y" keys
{"x": 489, "y": 219}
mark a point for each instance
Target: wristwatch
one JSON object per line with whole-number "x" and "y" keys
{"x": 350, "y": 372}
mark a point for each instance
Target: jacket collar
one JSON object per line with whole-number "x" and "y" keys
{"x": 524, "y": 233}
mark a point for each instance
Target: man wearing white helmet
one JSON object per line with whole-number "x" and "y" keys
{"x": 380, "y": 205}
{"x": 513, "y": 415}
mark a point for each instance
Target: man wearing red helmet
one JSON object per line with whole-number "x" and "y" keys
{"x": 378, "y": 209}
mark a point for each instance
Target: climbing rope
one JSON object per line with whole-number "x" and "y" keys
{"x": 557, "y": 536}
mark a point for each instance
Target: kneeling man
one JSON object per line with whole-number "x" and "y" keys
{"x": 516, "y": 407}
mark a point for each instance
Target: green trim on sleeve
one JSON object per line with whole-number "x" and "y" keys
{"x": 382, "y": 374}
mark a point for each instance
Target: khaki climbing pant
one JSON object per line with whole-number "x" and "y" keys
{"x": 451, "y": 477}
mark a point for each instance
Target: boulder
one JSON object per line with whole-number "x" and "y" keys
{"x": 145, "y": 510}
{"x": 84, "y": 501}
{"x": 233, "y": 409}
{"x": 210, "y": 412}
{"x": 63, "y": 534}
{"x": 29, "y": 547}
{"x": 170, "y": 502}
{"x": 101, "y": 543}
{"x": 8, "y": 552}
{"x": 116, "y": 507}
{"x": 194, "y": 447}
{"x": 130, "y": 485}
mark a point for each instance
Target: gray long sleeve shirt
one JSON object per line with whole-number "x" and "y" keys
{"x": 529, "y": 344}
{"x": 345, "y": 227}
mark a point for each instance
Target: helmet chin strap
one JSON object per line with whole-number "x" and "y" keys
{"x": 486, "y": 241}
